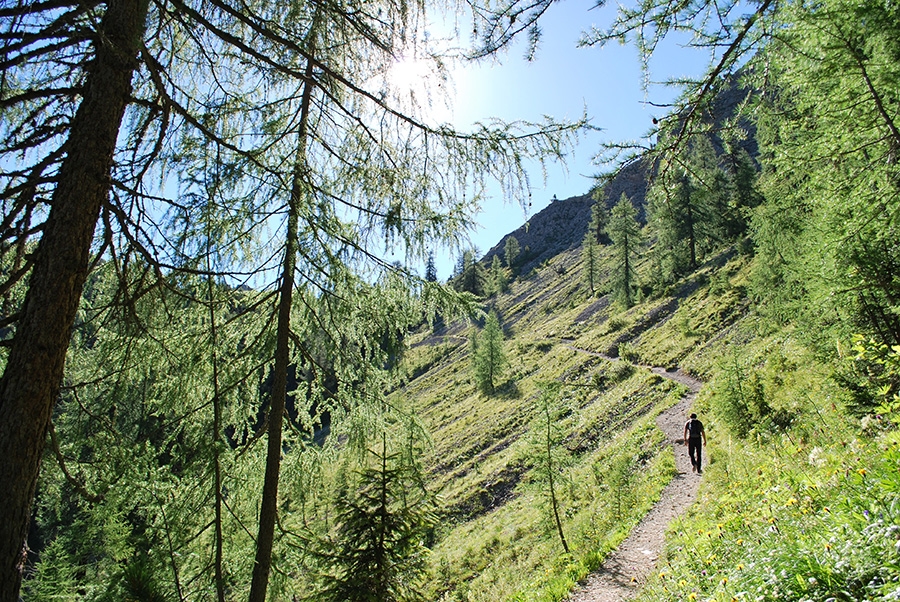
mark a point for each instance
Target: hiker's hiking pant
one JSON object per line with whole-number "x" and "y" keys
{"x": 695, "y": 451}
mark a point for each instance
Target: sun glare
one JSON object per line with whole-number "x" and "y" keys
{"x": 408, "y": 75}
{"x": 420, "y": 86}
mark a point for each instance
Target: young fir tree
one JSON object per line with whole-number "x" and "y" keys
{"x": 383, "y": 516}
{"x": 430, "y": 268}
{"x": 627, "y": 241}
{"x": 488, "y": 357}
{"x": 511, "y": 252}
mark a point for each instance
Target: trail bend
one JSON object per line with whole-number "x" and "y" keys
{"x": 626, "y": 569}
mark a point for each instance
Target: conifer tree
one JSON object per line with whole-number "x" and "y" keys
{"x": 511, "y": 252}
{"x": 590, "y": 246}
{"x": 599, "y": 217}
{"x": 430, "y": 269}
{"x": 549, "y": 458}
{"x": 590, "y": 258}
{"x": 497, "y": 281}
{"x": 488, "y": 356}
{"x": 689, "y": 209}
{"x": 625, "y": 233}
{"x": 382, "y": 520}
{"x": 102, "y": 101}
{"x": 829, "y": 133}
{"x": 471, "y": 274}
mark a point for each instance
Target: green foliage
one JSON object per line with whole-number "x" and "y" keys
{"x": 469, "y": 274}
{"x": 740, "y": 401}
{"x": 497, "y": 280}
{"x": 880, "y": 367}
{"x": 488, "y": 356}
{"x": 547, "y": 456}
{"x": 599, "y": 217}
{"x": 430, "y": 269}
{"x": 511, "y": 252}
{"x": 628, "y": 354}
{"x": 139, "y": 583}
{"x": 829, "y": 136}
{"x": 382, "y": 520}
{"x": 788, "y": 522}
{"x": 625, "y": 233}
{"x": 694, "y": 207}
{"x": 590, "y": 259}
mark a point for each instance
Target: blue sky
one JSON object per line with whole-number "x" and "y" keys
{"x": 562, "y": 82}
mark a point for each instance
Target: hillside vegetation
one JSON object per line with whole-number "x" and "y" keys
{"x": 217, "y": 387}
{"x": 800, "y": 498}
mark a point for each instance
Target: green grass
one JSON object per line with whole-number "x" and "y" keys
{"x": 790, "y": 522}
{"x": 808, "y": 511}
{"x": 799, "y": 502}
{"x": 498, "y": 541}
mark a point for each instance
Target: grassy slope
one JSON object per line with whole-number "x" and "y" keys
{"x": 498, "y": 541}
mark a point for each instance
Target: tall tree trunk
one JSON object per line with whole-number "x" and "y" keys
{"x": 218, "y": 574}
{"x": 269, "y": 504}
{"x": 34, "y": 370}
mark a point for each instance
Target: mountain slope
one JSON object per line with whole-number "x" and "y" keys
{"x": 487, "y": 455}
{"x": 562, "y": 224}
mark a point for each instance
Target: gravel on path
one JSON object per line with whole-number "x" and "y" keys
{"x": 627, "y": 568}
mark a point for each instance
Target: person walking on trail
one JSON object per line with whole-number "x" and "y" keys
{"x": 693, "y": 435}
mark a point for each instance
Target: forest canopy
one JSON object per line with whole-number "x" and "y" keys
{"x": 158, "y": 156}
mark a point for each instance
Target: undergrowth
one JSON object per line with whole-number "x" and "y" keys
{"x": 805, "y": 510}
{"x": 790, "y": 521}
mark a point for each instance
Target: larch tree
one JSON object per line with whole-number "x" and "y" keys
{"x": 599, "y": 216}
{"x": 54, "y": 196}
{"x": 488, "y": 356}
{"x": 109, "y": 106}
{"x": 625, "y": 233}
{"x": 590, "y": 245}
{"x": 511, "y": 250}
{"x": 689, "y": 209}
{"x": 830, "y": 133}
{"x": 590, "y": 259}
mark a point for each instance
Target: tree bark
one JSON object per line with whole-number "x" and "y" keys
{"x": 269, "y": 505}
{"x": 31, "y": 380}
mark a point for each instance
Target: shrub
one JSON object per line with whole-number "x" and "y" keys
{"x": 621, "y": 371}
{"x": 628, "y": 353}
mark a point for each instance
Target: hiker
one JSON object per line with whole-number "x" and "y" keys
{"x": 693, "y": 433}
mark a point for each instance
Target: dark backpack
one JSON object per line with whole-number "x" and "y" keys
{"x": 695, "y": 428}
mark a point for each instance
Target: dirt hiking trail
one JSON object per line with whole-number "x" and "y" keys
{"x": 626, "y": 569}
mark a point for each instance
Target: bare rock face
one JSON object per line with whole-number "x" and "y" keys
{"x": 562, "y": 224}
